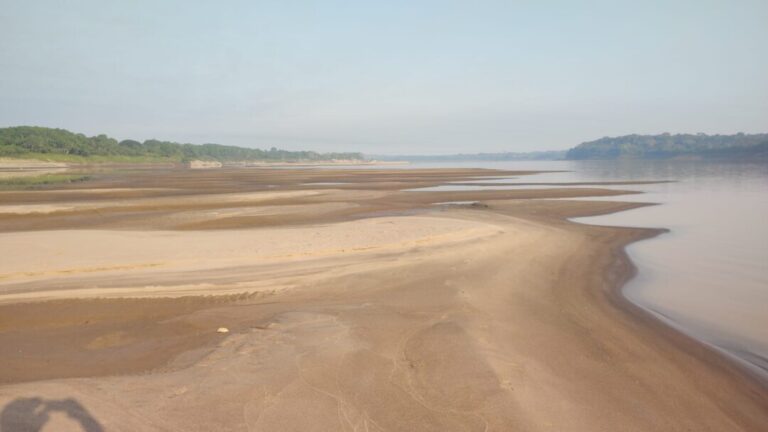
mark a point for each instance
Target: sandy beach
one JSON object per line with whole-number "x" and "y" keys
{"x": 350, "y": 303}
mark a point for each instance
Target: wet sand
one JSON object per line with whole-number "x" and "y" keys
{"x": 354, "y": 306}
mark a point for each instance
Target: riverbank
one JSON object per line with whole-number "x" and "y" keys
{"x": 348, "y": 300}
{"x": 73, "y": 162}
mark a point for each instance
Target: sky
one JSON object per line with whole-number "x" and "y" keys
{"x": 385, "y": 77}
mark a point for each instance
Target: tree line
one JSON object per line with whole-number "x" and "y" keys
{"x": 666, "y": 146}
{"x": 28, "y": 141}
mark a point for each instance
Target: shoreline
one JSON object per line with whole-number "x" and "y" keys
{"x": 718, "y": 357}
{"x": 22, "y": 164}
{"x": 752, "y": 367}
{"x": 528, "y": 331}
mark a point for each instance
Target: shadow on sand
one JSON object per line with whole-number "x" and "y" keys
{"x": 31, "y": 414}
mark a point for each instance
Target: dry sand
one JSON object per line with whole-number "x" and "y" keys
{"x": 27, "y": 164}
{"x": 349, "y": 307}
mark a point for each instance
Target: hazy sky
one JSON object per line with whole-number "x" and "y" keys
{"x": 385, "y": 76}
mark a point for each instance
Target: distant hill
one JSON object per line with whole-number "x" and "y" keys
{"x": 506, "y": 156}
{"x": 33, "y": 142}
{"x": 680, "y": 146}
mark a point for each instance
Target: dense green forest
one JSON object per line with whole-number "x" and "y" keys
{"x": 667, "y": 146}
{"x": 63, "y": 145}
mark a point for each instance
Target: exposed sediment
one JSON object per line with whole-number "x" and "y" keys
{"x": 349, "y": 307}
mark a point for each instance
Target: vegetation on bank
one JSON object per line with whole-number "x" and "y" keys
{"x": 739, "y": 147}
{"x": 23, "y": 182}
{"x": 32, "y": 142}
{"x": 666, "y": 146}
{"x": 59, "y": 145}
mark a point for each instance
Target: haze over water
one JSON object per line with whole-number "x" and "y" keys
{"x": 709, "y": 275}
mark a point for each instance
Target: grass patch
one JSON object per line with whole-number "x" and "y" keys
{"x": 29, "y": 182}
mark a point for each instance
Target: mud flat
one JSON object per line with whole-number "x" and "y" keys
{"x": 349, "y": 306}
